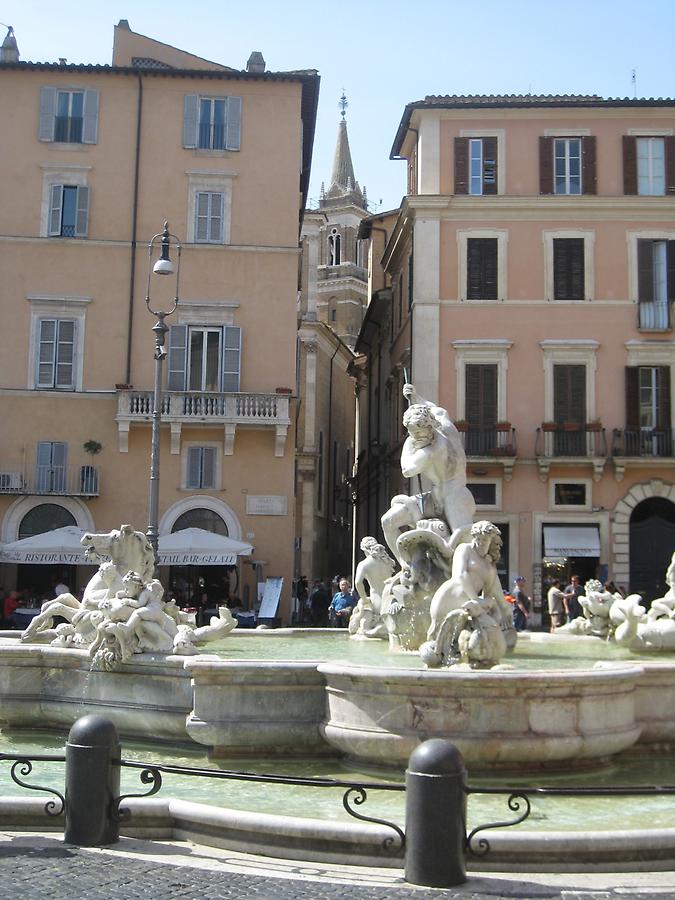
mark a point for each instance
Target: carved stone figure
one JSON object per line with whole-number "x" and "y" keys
{"x": 596, "y": 604}
{"x": 433, "y": 449}
{"x": 123, "y": 609}
{"x": 371, "y": 574}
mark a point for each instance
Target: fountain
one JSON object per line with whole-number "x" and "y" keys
{"x": 127, "y": 654}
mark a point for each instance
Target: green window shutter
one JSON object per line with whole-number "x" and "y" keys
{"x": 630, "y": 185}
{"x": 669, "y": 150}
{"x": 194, "y": 466}
{"x": 461, "y": 165}
{"x": 208, "y": 467}
{"x": 65, "y": 354}
{"x": 663, "y": 398}
{"x": 489, "y": 165}
{"x": 589, "y": 179}
{"x": 90, "y": 117}
{"x": 646, "y": 271}
{"x": 545, "y": 165}
{"x": 46, "y": 353}
{"x": 670, "y": 254}
{"x": 233, "y": 123}
{"x": 568, "y": 269}
{"x": 55, "y": 207}
{"x": 47, "y": 114}
{"x": 82, "y": 213}
{"x": 177, "y": 357}
{"x": 190, "y": 118}
{"x": 231, "y": 358}
{"x": 632, "y": 398}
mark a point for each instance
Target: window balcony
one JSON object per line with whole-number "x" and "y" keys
{"x": 66, "y": 481}
{"x": 205, "y": 409}
{"x": 343, "y": 270}
{"x": 490, "y": 443}
{"x": 571, "y": 443}
{"x": 639, "y": 447}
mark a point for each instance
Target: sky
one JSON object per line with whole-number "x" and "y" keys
{"x": 384, "y": 54}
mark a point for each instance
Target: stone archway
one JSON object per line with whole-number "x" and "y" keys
{"x": 21, "y": 507}
{"x": 221, "y": 509}
{"x": 621, "y": 519}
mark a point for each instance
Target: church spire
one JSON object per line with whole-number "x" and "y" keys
{"x": 344, "y": 188}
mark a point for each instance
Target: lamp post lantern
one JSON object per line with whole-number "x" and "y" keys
{"x": 163, "y": 266}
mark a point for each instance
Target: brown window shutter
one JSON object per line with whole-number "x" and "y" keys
{"x": 669, "y": 147}
{"x": 663, "y": 398}
{"x": 461, "y": 165}
{"x": 481, "y": 269}
{"x": 545, "y": 165}
{"x": 490, "y": 165}
{"x": 568, "y": 269}
{"x": 569, "y": 393}
{"x": 481, "y": 394}
{"x": 589, "y": 178}
{"x": 670, "y": 251}
{"x": 645, "y": 271}
{"x": 629, "y": 164}
{"x": 632, "y": 398}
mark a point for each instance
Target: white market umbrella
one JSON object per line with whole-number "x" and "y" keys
{"x": 197, "y": 547}
{"x": 62, "y": 545}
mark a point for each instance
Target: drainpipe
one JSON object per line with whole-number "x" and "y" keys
{"x": 134, "y": 225}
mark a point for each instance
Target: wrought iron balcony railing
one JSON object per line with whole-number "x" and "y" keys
{"x": 659, "y": 442}
{"x": 570, "y": 440}
{"x": 69, "y": 481}
{"x": 488, "y": 440}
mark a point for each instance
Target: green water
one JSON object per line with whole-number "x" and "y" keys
{"x": 548, "y": 814}
{"x": 337, "y": 647}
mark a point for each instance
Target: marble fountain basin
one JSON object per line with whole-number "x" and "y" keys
{"x": 545, "y": 708}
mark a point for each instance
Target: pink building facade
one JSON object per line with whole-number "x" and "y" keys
{"x": 532, "y": 273}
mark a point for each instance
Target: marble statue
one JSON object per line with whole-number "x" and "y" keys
{"x": 470, "y": 621}
{"x": 642, "y": 630}
{"x": 371, "y": 574}
{"x": 596, "y": 604}
{"x": 123, "y": 610}
{"x": 433, "y": 449}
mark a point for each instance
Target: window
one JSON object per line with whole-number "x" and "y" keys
{"x": 334, "y": 248}
{"x": 209, "y": 217}
{"x": 568, "y": 269}
{"x": 569, "y": 409}
{"x": 481, "y": 408}
{"x": 567, "y": 165}
{"x": 68, "y": 211}
{"x": 570, "y": 493}
{"x": 648, "y": 165}
{"x": 50, "y": 467}
{"x": 56, "y": 354}
{"x": 481, "y": 269}
{"x": 201, "y": 468}
{"x": 204, "y": 358}
{"x": 648, "y": 415}
{"x": 212, "y": 123}
{"x": 484, "y": 492}
{"x": 476, "y": 165}
{"x": 656, "y": 282}
{"x": 69, "y": 117}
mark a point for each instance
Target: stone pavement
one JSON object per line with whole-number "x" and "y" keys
{"x": 43, "y": 867}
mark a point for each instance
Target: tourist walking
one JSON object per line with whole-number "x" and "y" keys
{"x": 572, "y": 593}
{"x": 521, "y": 604}
{"x": 556, "y": 605}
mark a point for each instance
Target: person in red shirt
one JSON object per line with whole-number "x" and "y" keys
{"x": 11, "y": 603}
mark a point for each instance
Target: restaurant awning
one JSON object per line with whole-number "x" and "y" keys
{"x": 62, "y": 545}
{"x": 571, "y": 540}
{"x": 197, "y": 547}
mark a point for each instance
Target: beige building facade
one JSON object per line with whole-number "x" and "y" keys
{"x": 531, "y": 272}
{"x": 97, "y": 159}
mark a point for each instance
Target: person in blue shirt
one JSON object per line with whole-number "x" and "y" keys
{"x": 341, "y": 606}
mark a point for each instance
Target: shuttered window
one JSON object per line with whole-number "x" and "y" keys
{"x": 56, "y": 354}
{"x": 210, "y": 356}
{"x": 212, "y": 123}
{"x": 656, "y": 282}
{"x": 209, "y": 217}
{"x": 69, "y": 117}
{"x": 201, "y": 468}
{"x": 567, "y": 165}
{"x": 480, "y": 404}
{"x": 648, "y": 398}
{"x": 568, "y": 269}
{"x": 476, "y": 166}
{"x": 569, "y": 394}
{"x": 481, "y": 268}
{"x": 648, "y": 165}
{"x": 68, "y": 211}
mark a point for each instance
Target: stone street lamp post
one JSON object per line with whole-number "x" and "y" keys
{"x": 163, "y": 266}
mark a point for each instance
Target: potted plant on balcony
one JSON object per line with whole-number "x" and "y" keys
{"x": 88, "y": 473}
{"x": 595, "y": 425}
{"x": 462, "y": 425}
{"x": 571, "y": 426}
{"x": 503, "y": 426}
{"x": 549, "y": 426}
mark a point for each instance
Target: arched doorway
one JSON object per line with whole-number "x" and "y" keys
{"x": 652, "y": 539}
{"x": 40, "y": 579}
{"x": 203, "y": 587}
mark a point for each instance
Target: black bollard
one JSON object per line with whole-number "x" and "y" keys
{"x": 435, "y": 815}
{"x": 92, "y": 782}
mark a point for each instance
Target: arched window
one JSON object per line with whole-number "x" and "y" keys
{"x": 45, "y": 517}
{"x": 334, "y": 249}
{"x": 206, "y": 519}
